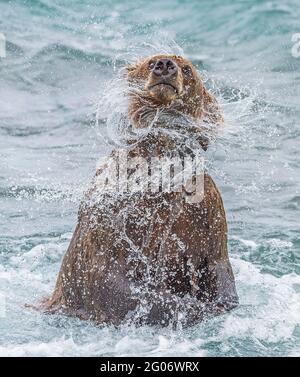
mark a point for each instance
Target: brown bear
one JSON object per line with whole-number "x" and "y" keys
{"x": 154, "y": 257}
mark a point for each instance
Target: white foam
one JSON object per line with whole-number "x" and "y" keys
{"x": 60, "y": 347}
{"x": 39, "y": 254}
{"x": 4, "y": 274}
{"x": 279, "y": 244}
{"x": 295, "y": 353}
{"x": 269, "y": 306}
{"x": 108, "y": 342}
{"x": 171, "y": 347}
{"x": 248, "y": 243}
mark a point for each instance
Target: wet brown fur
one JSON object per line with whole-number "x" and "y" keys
{"x": 150, "y": 251}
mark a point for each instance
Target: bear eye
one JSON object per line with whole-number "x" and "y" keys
{"x": 151, "y": 64}
{"x": 186, "y": 70}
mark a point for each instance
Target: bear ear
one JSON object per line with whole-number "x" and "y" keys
{"x": 130, "y": 68}
{"x": 211, "y": 109}
{"x": 130, "y": 71}
{"x": 212, "y": 116}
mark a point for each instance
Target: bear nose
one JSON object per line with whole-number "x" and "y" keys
{"x": 165, "y": 67}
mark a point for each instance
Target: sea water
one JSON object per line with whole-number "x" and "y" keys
{"x": 55, "y": 75}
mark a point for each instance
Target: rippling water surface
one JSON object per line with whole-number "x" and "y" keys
{"x": 60, "y": 56}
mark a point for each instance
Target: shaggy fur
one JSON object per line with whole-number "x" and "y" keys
{"x": 143, "y": 257}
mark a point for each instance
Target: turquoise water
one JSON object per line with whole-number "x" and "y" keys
{"x": 60, "y": 55}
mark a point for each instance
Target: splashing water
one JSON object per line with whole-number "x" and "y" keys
{"x": 50, "y": 80}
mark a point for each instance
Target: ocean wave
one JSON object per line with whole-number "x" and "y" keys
{"x": 59, "y": 58}
{"x": 55, "y": 51}
{"x": 263, "y": 318}
{"x": 275, "y": 256}
{"x": 71, "y": 193}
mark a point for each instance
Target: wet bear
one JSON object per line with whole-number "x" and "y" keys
{"x": 143, "y": 251}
